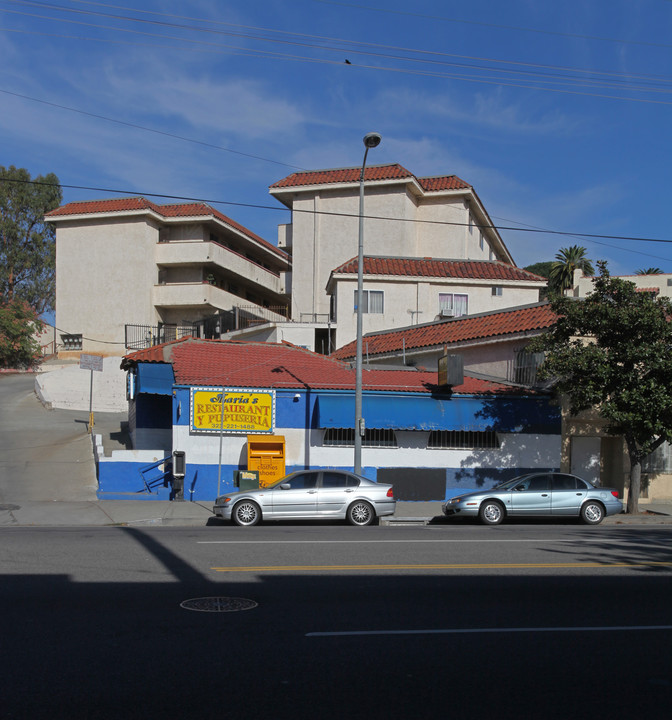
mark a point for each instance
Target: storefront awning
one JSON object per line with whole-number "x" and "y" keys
{"x": 415, "y": 412}
{"x": 404, "y": 413}
{"x": 155, "y": 378}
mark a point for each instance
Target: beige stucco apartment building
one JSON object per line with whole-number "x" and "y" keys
{"x": 129, "y": 265}
{"x": 130, "y": 272}
{"x": 405, "y": 216}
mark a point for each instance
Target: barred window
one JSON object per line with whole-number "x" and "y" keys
{"x": 463, "y": 439}
{"x": 345, "y": 437}
{"x": 659, "y": 461}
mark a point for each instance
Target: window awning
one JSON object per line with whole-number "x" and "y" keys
{"x": 475, "y": 414}
{"x": 155, "y": 378}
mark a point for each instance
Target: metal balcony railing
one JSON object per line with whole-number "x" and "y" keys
{"x": 144, "y": 336}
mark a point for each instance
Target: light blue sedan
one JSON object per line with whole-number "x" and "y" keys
{"x": 538, "y": 494}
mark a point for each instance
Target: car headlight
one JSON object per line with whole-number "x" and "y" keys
{"x": 455, "y": 500}
{"x": 222, "y": 500}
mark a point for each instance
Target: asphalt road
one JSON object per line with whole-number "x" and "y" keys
{"x": 539, "y": 621}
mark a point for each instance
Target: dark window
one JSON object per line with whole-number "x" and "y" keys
{"x": 462, "y": 439}
{"x": 304, "y": 481}
{"x": 374, "y": 437}
{"x": 539, "y": 483}
{"x": 534, "y": 483}
{"x": 338, "y": 480}
{"x": 564, "y": 482}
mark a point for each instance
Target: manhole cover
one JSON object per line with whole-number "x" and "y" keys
{"x": 218, "y": 604}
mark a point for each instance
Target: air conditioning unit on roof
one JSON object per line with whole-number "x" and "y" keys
{"x": 445, "y": 313}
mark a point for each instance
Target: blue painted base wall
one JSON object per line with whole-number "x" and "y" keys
{"x": 123, "y": 480}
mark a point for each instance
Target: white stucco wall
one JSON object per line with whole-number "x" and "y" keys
{"x": 105, "y": 273}
{"x": 322, "y": 241}
{"x": 516, "y": 450}
{"x": 409, "y": 301}
{"x": 663, "y": 283}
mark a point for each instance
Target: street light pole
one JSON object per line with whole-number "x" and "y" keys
{"x": 371, "y": 140}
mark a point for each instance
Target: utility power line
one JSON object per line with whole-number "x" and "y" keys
{"x": 520, "y": 74}
{"x": 256, "y": 206}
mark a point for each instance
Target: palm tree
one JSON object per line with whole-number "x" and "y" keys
{"x": 649, "y": 271}
{"x": 568, "y": 260}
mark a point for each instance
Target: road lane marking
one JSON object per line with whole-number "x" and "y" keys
{"x": 476, "y": 631}
{"x": 408, "y": 541}
{"x": 461, "y": 566}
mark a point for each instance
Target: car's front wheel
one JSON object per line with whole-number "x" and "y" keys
{"x": 491, "y": 512}
{"x": 592, "y": 513}
{"x": 246, "y": 513}
{"x": 361, "y": 513}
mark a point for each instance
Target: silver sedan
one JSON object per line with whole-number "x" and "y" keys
{"x": 310, "y": 495}
{"x": 538, "y": 494}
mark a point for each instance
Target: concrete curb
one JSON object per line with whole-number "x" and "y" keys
{"x": 141, "y": 513}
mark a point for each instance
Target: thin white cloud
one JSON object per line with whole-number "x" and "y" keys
{"x": 471, "y": 114}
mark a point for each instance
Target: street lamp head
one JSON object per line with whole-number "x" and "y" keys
{"x": 372, "y": 140}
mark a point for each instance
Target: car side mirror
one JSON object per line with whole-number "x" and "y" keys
{"x": 285, "y": 486}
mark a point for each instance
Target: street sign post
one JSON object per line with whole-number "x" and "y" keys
{"x": 92, "y": 363}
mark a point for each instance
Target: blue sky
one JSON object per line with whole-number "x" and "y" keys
{"x": 559, "y": 114}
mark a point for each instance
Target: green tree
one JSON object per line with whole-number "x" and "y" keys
{"x": 27, "y": 243}
{"x": 611, "y": 351}
{"x": 541, "y": 268}
{"x": 19, "y": 325}
{"x": 649, "y": 271}
{"x": 567, "y": 260}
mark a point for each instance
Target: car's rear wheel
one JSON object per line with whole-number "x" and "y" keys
{"x": 361, "y": 513}
{"x": 246, "y": 513}
{"x": 491, "y": 512}
{"x": 592, "y": 513}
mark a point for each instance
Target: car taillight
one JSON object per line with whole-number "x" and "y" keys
{"x": 390, "y": 492}
{"x": 614, "y": 493}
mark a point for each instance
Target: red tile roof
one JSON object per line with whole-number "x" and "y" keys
{"x": 271, "y": 365}
{"x": 371, "y": 172}
{"x": 469, "y": 327}
{"x": 442, "y": 182}
{"x": 433, "y": 267}
{"x": 177, "y": 210}
{"x": 127, "y": 204}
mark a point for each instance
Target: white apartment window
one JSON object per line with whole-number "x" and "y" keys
{"x": 373, "y": 301}
{"x": 481, "y": 241}
{"x": 453, "y": 304}
{"x": 471, "y": 223}
{"x": 497, "y": 290}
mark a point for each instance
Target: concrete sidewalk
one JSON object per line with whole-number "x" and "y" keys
{"x": 191, "y": 514}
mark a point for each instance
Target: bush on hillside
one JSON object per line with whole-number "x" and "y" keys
{"x": 19, "y": 326}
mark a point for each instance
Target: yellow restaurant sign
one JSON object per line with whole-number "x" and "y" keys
{"x": 245, "y": 410}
